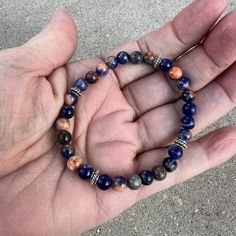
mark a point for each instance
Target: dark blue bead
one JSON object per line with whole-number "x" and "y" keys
{"x": 136, "y": 57}
{"x": 188, "y": 95}
{"x": 188, "y": 122}
{"x": 146, "y": 177}
{"x": 189, "y": 109}
{"x": 81, "y": 84}
{"x": 184, "y": 83}
{"x": 104, "y": 182}
{"x": 67, "y": 151}
{"x": 67, "y": 112}
{"x": 123, "y": 57}
{"x": 165, "y": 65}
{"x": 85, "y": 171}
{"x": 185, "y": 134}
{"x": 111, "y": 62}
{"x": 169, "y": 164}
{"x": 175, "y": 152}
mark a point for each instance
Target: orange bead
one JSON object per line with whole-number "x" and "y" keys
{"x": 62, "y": 124}
{"x": 74, "y": 162}
{"x": 175, "y": 73}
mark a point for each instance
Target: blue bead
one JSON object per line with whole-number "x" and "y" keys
{"x": 187, "y": 95}
{"x": 123, "y": 57}
{"x": 185, "y": 134}
{"x": 189, "y": 109}
{"x": 165, "y": 65}
{"x": 67, "y": 151}
{"x": 85, "y": 171}
{"x": 102, "y": 70}
{"x": 175, "y": 152}
{"x": 111, "y": 62}
{"x": 146, "y": 177}
{"x": 75, "y": 99}
{"x": 104, "y": 182}
{"x": 169, "y": 164}
{"x": 81, "y": 84}
{"x": 184, "y": 83}
{"x": 188, "y": 122}
{"x": 67, "y": 112}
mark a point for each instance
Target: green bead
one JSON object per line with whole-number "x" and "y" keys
{"x": 134, "y": 182}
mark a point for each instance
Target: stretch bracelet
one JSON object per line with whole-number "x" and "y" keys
{"x": 175, "y": 151}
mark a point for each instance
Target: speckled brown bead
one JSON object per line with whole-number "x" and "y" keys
{"x": 119, "y": 183}
{"x": 91, "y": 77}
{"x": 149, "y": 57}
{"x": 159, "y": 172}
{"x": 62, "y": 124}
{"x": 74, "y": 162}
{"x": 70, "y": 100}
{"x": 175, "y": 73}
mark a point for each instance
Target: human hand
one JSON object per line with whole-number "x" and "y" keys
{"x": 123, "y": 123}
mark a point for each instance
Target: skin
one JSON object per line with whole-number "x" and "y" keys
{"x": 123, "y": 123}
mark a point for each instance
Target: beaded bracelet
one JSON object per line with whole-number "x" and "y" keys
{"x": 175, "y": 152}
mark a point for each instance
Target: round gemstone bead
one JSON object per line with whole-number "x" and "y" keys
{"x": 149, "y": 58}
{"x": 169, "y": 165}
{"x": 64, "y": 137}
{"x": 111, "y": 62}
{"x": 146, "y": 176}
{"x": 188, "y": 122}
{"x": 81, "y": 84}
{"x": 165, "y": 65}
{"x": 136, "y": 57}
{"x": 67, "y": 151}
{"x": 102, "y": 69}
{"x": 62, "y": 124}
{"x": 85, "y": 171}
{"x": 104, "y": 182}
{"x": 175, "y": 73}
{"x": 188, "y": 95}
{"x": 184, "y": 83}
{"x": 71, "y": 99}
{"x": 175, "y": 152}
{"x": 134, "y": 182}
{"x": 185, "y": 134}
{"x": 67, "y": 112}
{"x": 119, "y": 183}
{"x": 159, "y": 172}
{"x": 91, "y": 77}
{"x": 123, "y": 57}
{"x": 189, "y": 109}
{"x": 74, "y": 162}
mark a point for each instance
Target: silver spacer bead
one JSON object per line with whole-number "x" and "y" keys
{"x": 76, "y": 91}
{"x": 157, "y": 62}
{"x": 94, "y": 177}
{"x": 181, "y": 143}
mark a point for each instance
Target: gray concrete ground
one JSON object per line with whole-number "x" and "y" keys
{"x": 205, "y": 205}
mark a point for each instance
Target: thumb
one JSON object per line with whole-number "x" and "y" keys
{"x": 51, "y": 48}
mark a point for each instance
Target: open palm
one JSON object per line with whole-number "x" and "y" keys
{"x": 123, "y": 123}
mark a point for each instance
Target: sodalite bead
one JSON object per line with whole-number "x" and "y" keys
{"x": 188, "y": 95}
{"x": 136, "y": 57}
{"x": 102, "y": 69}
{"x": 71, "y": 99}
{"x": 104, "y": 182}
{"x": 64, "y": 137}
{"x": 67, "y": 112}
{"x": 123, "y": 57}
{"x": 119, "y": 183}
{"x": 189, "y": 109}
{"x": 111, "y": 62}
{"x": 188, "y": 122}
{"x": 81, "y": 84}
{"x": 67, "y": 151}
{"x": 175, "y": 152}
{"x": 165, "y": 65}
{"x": 169, "y": 165}
{"x": 159, "y": 172}
{"x": 184, "y": 83}
{"x": 185, "y": 134}
{"x": 134, "y": 182}
{"x": 146, "y": 176}
{"x": 85, "y": 171}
